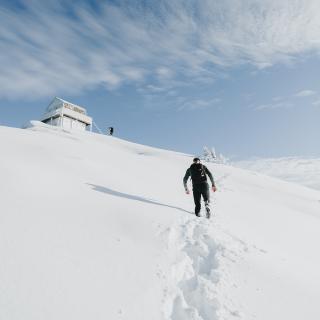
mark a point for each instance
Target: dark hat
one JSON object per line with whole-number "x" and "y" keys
{"x": 196, "y": 159}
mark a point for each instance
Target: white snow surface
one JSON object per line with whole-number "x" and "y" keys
{"x": 94, "y": 227}
{"x": 305, "y": 171}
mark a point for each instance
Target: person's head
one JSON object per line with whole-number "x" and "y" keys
{"x": 196, "y": 160}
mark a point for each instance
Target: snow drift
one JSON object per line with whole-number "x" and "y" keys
{"x": 94, "y": 227}
{"x": 305, "y": 171}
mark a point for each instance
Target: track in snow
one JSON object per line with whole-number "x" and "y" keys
{"x": 197, "y": 273}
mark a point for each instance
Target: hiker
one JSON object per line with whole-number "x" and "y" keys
{"x": 198, "y": 173}
{"x": 110, "y": 131}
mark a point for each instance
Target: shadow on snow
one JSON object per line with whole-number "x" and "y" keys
{"x": 132, "y": 197}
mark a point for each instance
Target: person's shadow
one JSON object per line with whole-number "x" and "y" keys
{"x": 132, "y": 197}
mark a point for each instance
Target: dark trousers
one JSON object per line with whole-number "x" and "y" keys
{"x": 200, "y": 189}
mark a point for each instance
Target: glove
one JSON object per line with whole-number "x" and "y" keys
{"x": 214, "y": 189}
{"x": 187, "y": 191}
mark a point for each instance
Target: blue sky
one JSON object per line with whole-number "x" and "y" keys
{"x": 241, "y": 76}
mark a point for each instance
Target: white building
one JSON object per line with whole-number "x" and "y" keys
{"x": 64, "y": 114}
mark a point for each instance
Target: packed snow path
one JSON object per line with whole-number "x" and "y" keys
{"x": 92, "y": 226}
{"x": 199, "y": 272}
{"x": 195, "y": 273}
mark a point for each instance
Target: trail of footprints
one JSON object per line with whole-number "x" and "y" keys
{"x": 197, "y": 273}
{"x": 196, "y": 295}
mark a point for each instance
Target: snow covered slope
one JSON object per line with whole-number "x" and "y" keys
{"x": 94, "y": 227}
{"x": 305, "y": 171}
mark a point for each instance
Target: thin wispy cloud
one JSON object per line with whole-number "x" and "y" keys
{"x": 305, "y": 93}
{"x": 49, "y": 47}
{"x": 277, "y": 99}
{"x": 287, "y": 102}
{"x": 278, "y": 105}
{"x": 199, "y": 104}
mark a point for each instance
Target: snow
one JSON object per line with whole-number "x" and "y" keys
{"x": 92, "y": 226}
{"x": 305, "y": 171}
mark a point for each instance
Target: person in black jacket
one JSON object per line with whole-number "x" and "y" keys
{"x": 110, "y": 131}
{"x": 198, "y": 173}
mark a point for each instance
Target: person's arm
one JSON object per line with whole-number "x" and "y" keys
{"x": 185, "y": 180}
{"x": 207, "y": 171}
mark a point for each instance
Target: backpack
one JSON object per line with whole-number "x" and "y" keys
{"x": 197, "y": 172}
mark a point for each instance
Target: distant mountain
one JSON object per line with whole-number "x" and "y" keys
{"x": 304, "y": 171}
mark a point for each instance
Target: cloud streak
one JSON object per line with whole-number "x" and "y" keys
{"x": 53, "y": 48}
{"x": 199, "y": 104}
{"x": 279, "y": 105}
{"x": 305, "y": 93}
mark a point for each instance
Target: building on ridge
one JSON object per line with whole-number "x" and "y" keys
{"x": 61, "y": 113}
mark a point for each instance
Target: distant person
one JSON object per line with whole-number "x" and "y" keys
{"x": 110, "y": 131}
{"x": 198, "y": 173}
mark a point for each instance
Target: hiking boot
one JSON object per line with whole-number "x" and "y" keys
{"x": 208, "y": 211}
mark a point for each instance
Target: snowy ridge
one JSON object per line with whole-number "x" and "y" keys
{"x": 305, "y": 171}
{"x": 97, "y": 227}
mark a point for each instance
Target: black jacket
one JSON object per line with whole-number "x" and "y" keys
{"x": 189, "y": 174}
